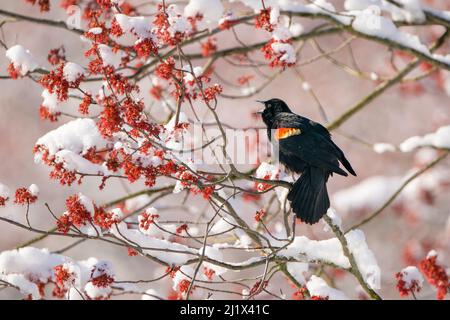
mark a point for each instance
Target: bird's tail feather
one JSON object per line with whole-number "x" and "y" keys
{"x": 309, "y": 195}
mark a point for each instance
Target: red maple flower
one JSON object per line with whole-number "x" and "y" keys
{"x": 3, "y": 201}
{"x": 84, "y": 105}
{"x": 24, "y": 196}
{"x": 435, "y": 274}
{"x": 62, "y": 275}
{"x": 211, "y": 92}
{"x": 209, "y": 273}
{"x": 44, "y": 5}
{"x": 262, "y": 21}
{"x": 209, "y": 46}
{"x": 245, "y": 79}
{"x": 145, "y": 220}
{"x": 184, "y": 285}
{"x": 57, "y": 56}
{"x": 164, "y": 70}
{"x": 13, "y": 72}
{"x": 409, "y": 281}
{"x": 132, "y": 252}
{"x": 182, "y": 228}
{"x": 145, "y": 48}
{"x": 259, "y": 215}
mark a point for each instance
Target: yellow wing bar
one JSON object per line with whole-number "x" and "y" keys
{"x": 283, "y": 133}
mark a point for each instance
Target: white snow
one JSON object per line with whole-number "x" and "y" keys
{"x": 109, "y": 57}
{"x": 96, "y": 30}
{"x": 212, "y": 10}
{"x": 189, "y": 77}
{"x": 178, "y": 23}
{"x": 297, "y": 270}
{"x": 72, "y": 71}
{"x": 26, "y": 267}
{"x": 184, "y": 273}
{"x": 50, "y": 101}
{"x": 22, "y": 59}
{"x": 141, "y": 26}
{"x": 70, "y": 141}
{"x": 409, "y": 10}
{"x": 286, "y": 50}
{"x": 169, "y": 252}
{"x": 364, "y": 257}
{"x": 25, "y": 286}
{"x": 371, "y": 23}
{"x": 4, "y": 191}
{"x": 412, "y": 276}
{"x": 431, "y": 254}
{"x": 151, "y": 294}
{"x": 267, "y": 171}
{"x": 95, "y": 292}
{"x": 77, "y": 136}
{"x": 335, "y": 219}
{"x": 215, "y": 254}
{"x": 318, "y": 287}
{"x": 439, "y": 139}
{"x": 382, "y": 147}
{"x": 34, "y": 190}
{"x": 330, "y": 251}
{"x": 33, "y": 263}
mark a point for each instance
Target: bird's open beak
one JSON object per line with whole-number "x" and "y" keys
{"x": 259, "y": 112}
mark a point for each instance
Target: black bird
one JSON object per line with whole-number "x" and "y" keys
{"x": 305, "y": 147}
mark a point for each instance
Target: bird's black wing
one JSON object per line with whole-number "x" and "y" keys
{"x": 312, "y": 145}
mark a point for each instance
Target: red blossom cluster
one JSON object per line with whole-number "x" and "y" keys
{"x": 13, "y": 72}
{"x": 194, "y": 183}
{"x": 132, "y": 252}
{"x": 435, "y": 275}
{"x": 163, "y": 32}
{"x": 262, "y": 21}
{"x": 57, "y": 56}
{"x": 227, "y": 24}
{"x": 260, "y": 215}
{"x": 3, "y": 201}
{"x": 275, "y": 57}
{"x": 209, "y": 273}
{"x": 145, "y": 220}
{"x": 55, "y": 82}
{"x": 209, "y": 46}
{"x": 212, "y": 92}
{"x": 182, "y": 228}
{"x": 245, "y": 79}
{"x": 78, "y": 215}
{"x": 44, "y": 5}
{"x": 24, "y": 196}
{"x": 184, "y": 285}
{"x": 405, "y": 288}
{"x": 300, "y": 294}
{"x": 64, "y": 279}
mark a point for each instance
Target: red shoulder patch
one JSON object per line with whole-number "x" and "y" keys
{"x": 283, "y": 133}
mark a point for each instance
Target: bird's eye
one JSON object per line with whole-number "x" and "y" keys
{"x": 269, "y": 105}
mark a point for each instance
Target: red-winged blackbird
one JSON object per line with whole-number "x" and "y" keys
{"x": 305, "y": 147}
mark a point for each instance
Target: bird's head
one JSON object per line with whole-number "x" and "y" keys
{"x": 271, "y": 108}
